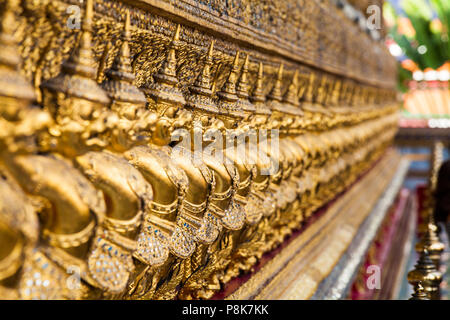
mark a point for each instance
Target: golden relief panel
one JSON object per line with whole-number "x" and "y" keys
{"x": 113, "y": 206}
{"x": 336, "y": 45}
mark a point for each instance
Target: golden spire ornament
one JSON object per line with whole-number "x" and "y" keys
{"x": 310, "y": 91}
{"x": 291, "y": 96}
{"x": 77, "y": 78}
{"x": 243, "y": 89}
{"x": 275, "y": 94}
{"x": 15, "y": 91}
{"x": 166, "y": 85}
{"x": 355, "y": 96}
{"x": 425, "y": 272}
{"x": 430, "y": 242}
{"x": 201, "y": 93}
{"x": 228, "y": 91}
{"x": 290, "y": 106}
{"x": 335, "y": 93}
{"x": 258, "y": 97}
{"x": 242, "y": 86}
{"x": 120, "y": 78}
{"x": 20, "y": 121}
{"x": 291, "y": 101}
{"x": 228, "y": 96}
{"x": 342, "y": 94}
{"x": 322, "y": 91}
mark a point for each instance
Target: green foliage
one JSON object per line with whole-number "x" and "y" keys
{"x": 403, "y": 76}
{"x": 420, "y": 13}
{"x": 443, "y": 11}
{"x": 417, "y": 8}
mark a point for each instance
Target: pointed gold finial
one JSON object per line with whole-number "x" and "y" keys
{"x": 176, "y": 37}
{"x": 211, "y": 49}
{"x": 78, "y": 76}
{"x": 165, "y": 87}
{"x": 82, "y": 55}
{"x": 203, "y": 81}
{"x": 425, "y": 271}
{"x": 168, "y": 72}
{"x": 303, "y": 86}
{"x": 228, "y": 98}
{"x": 89, "y": 15}
{"x": 243, "y": 87}
{"x": 430, "y": 242}
{"x": 275, "y": 94}
{"x": 291, "y": 96}
{"x": 355, "y": 95}
{"x": 349, "y": 94}
{"x": 201, "y": 93}
{"x": 258, "y": 97}
{"x": 258, "y": 92}
{"x": 12, "y": 83}
{"x": 343, "y": 92}
{"x": 9, "y": 56}
{"x": 228, "y": 92}
{"x": 328, "y": 91}
{"x": 236, "y": 60}
{"x": 119, "y": 82}
{"x": 336, "y": 92}
{"x": 121, "y": 68}
{"x": 322, "y": 91}
{"x": 127, "y": 26}
{"x": 310, "y": 91}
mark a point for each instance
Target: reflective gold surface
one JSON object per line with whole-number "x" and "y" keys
{"x": 97, "y": 198}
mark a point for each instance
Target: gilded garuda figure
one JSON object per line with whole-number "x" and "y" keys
{"x": 127, "y": 178}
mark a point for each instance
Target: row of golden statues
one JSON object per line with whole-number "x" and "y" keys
{"x": 94, "y": 204}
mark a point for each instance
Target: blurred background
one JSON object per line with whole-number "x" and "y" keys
{"x": 418, "y": 33}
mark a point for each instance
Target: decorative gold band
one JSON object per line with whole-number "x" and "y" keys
{"x": 194, "y": 208}
{"x": 167, "y": 226}
{"x": 223, "y": 195}
{"x": 246, "y": 182}
{"x": 214, "y": 209}
{"x": 70, "y": 240}
{"x": 159, "y": 208}
{"x": 190, "y": 219}
{"x": 118, "y": 239}
{"x": 240, "y": 199}
{"x": 261, "y": 186}
{"x": 123, "y": 226}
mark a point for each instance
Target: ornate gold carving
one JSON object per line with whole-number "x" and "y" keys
{"x": 94, "y": 159}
